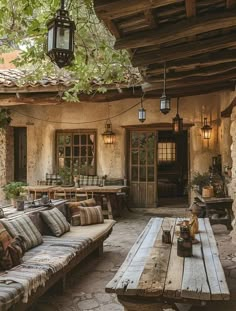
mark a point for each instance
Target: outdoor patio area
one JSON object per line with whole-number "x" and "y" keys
{"x": 86, "y": 284}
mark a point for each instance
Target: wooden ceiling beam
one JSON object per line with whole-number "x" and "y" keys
{"x": 198, "y": 72}
{"x": 184, "y": 51}
{"x": 186, "y": 28}
{"x": 221, "y": 57}
{"x": 122, "y": 8}
{"x": 190, "y": 6}
{"x": 229, "y": 3}
{"x": 197, "y": 81}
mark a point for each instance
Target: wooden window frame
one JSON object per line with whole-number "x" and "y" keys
{"x": 74, "y": 132}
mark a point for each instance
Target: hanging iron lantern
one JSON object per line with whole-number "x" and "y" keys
{"x": 206, "y": 129}
{"x": 142, "y": 112}
{"x": 60, "y": 38}
{"x": 177, "y": 123}
{"x": 164, "y": 100}
{"x": 108, "y": 135}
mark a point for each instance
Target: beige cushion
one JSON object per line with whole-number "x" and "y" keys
{"x": 56, "y": 221}
{"x": 91, "y": 215}
{"x": 93, "y": 232}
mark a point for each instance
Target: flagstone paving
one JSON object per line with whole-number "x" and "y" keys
{"x": 85, "y": 287}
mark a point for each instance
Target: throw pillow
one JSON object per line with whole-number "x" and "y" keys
{"x": 91, "y": 215}
{"x": 11, "y": 249}
{"x": 56, "y": 221}
{"x": 24, "y": 226}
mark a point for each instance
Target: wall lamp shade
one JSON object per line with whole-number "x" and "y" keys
{"x": 108, "y": 135}
{"x": 177, "y": 124}
{"x": 60, "y": 38}
{"x": 142, "y": 112}
{"x": 206, "y": 130}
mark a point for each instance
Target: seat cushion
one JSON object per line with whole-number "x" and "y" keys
{"x": 91, "y": 215}
{"x": 56, "y": 221}
{"x": 93, "y": 232}
{"x": 24, "y": 226}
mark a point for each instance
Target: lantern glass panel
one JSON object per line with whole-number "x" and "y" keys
{"x": 63, "y": 38}
{"x": 50, "y": 39}
{"x": 142, "y": 115}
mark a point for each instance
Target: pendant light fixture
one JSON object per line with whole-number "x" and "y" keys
{"x": 164, "y": 100}
{"x": 108, "y": 134}
{"x": 60, "y": 38}
{"x": 206, "y": 129}
{"x": 177, "y": 122}
{"x": 142, "y": 111}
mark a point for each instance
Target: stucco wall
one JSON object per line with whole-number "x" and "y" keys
{"x": 42, "y": 121}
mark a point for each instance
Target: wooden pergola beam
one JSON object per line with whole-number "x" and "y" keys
{"x": 190, "y": 7}
{"x": 201, "y": 72}
{"x": 227, "y": 112}
{"x": 183, "y": 29}
{"x": 229, "y": 3}
{"x": 121, "y": 8}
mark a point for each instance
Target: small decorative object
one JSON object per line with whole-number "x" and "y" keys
{"x": 164, "y": 100}
{"x": 13, "y": 191}
{"x": 194, "y": 227}
{"x": 44, "y": 199}
{"x": 60, "y": 45}
{"x": 166, "y": 236}
{"x": 20, "y": 204}
{"x": 207, "y": 191}
{"x": 184, "y": 242}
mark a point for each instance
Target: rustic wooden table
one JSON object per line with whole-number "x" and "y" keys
{"x": 152, "y": 273}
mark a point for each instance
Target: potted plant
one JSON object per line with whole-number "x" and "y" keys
{"x": 14, "y": 191}
{"x": 199, "y": 181}
{"x": 65, "y": 175}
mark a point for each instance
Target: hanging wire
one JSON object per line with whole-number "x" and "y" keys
{"x": 164, "y": 87}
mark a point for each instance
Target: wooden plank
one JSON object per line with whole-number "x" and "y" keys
{"x": 184, "y": 50}
{"x": 153, "y": 278}
{"x": 122, "y": 8}
{"x": 179, "y": 30}
{"x": 174, "y": 276}
{"x": 230, "y": 3}
{"x": 216, "y": 259}
{"x": 190, "y": 6}
{"x": 209, "y": 264}
{"x": 194, "y": 284}
{"x": 111, "y": 286}
{"x": 128, "y": 284}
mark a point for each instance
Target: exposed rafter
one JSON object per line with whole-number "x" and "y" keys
{"x": 183, "y": 29}
{"x": 190, "y": 6}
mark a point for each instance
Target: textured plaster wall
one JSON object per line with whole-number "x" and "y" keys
{"x": 111, "y": 159}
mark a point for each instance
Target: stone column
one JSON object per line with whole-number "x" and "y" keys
{"x": 233, "y": 182}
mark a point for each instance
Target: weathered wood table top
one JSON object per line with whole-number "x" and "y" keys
{"x": 153, "y": 269}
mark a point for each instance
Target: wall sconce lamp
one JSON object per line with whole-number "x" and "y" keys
{"x": 177, "y": 122}
{"x": 108, "y": 135}
{"x": 60, "y": 38}
{"x": 142, "y": 112}
{"x": 206, "y": 129}
{"x": 164, "y": 100}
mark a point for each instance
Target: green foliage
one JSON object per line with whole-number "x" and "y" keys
{"x": 5, "y": 118}
{"x": 65, "y": 175}
{"x": 23, "y": 26}
{"x": 200, "y": 180}
{"x": 14, "y": 189}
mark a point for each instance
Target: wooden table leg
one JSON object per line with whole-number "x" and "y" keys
{"x": 109, "y": 208}
{"x": 132, "y": 305}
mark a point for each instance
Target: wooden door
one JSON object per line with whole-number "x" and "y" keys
{"x": 20, "y": 154}
{"x": 142, "y": 168}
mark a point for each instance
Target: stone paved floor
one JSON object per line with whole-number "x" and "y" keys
{"x": 85, "y": 288}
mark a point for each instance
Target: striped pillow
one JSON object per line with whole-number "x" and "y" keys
{"x": 56, "y": 221}
{"x": 24, "y": 226}
{"x": 91, "y": 215}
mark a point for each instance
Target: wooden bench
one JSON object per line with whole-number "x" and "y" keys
{"x": 152, "y": 273}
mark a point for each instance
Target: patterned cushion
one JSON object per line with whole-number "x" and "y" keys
{"x": 56, "y": 221}
{"x": 86, "y": 180}
{"x": 74, "y": 206}
{"x": 24, "y": 226}
{"x": 91, "y": 215}
{"x": 5, "y": 256}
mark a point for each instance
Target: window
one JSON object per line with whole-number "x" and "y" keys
{"x": 76, "y": 150}
{"x": 166, "y": 152}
